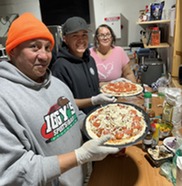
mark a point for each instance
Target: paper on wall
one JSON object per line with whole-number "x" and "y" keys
{"x": 172, "y": 21}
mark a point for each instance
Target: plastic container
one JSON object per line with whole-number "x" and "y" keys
{"x": 178, "y": 154}
{"x": 171, "y": 143}
{"x": 158, "y": 155}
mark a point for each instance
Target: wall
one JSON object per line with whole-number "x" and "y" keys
{"x": 129, "y": 9}
{"x": 20, "y": 6}
{"x": 8, "y": 7}
{"x": 98, "y": 10}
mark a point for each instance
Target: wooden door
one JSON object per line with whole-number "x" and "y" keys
{"x": 177, "y": 52}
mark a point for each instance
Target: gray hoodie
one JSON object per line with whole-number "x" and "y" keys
{"x": 37, "y": 122}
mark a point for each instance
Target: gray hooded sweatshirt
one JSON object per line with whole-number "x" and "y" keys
{"x": 37, "y": 122}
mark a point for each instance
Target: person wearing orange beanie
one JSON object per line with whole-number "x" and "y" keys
{"x": 40, "y": 136}
{"x": 24, "y": 28}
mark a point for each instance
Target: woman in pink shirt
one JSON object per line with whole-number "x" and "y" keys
{"x": 112, "y": 61}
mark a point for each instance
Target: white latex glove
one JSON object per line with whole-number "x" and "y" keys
{"x": 94, "y": 150}
{"x": 102, "y": 99}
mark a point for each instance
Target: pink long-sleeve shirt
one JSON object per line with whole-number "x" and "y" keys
{"x": 110, "y": 68}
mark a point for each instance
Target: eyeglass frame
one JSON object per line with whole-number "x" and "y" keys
{"x": 104, "y": 36}
{"x": 97, "y": 32}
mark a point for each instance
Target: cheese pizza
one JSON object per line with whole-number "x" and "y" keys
{"x": 121, "y": 88}
{"x": 123, "y": 122}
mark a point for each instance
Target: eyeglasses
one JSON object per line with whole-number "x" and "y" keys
{"x": 104, "y": 36}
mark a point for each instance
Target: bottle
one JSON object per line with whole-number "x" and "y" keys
{"x": 155, "y": 136}
{"x": 147, "y": 100}
{"x": 161, "y": 95}
{"x": 147, "y": 12}
{"x": 147, "y": 141}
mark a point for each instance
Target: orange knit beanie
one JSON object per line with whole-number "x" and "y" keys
{"x": 24, "y": 28}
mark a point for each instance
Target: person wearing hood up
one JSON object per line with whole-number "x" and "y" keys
{"x": 77, "y": 68}
{"x": 40, "y": 137}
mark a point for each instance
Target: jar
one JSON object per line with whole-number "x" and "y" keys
{"x": 151, "y": 114}
{"x": 147, "y": 141}
{"x": 155, "y": 36}
{"x": 147, "y": 100}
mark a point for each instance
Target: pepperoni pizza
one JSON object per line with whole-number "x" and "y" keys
{"x": 124, "y": 122}
{"x": 122, "y": 88}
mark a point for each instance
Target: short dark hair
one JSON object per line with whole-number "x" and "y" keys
{"x": 97, "y": 32}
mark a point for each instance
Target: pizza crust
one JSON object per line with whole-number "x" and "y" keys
{"x": 115, "y": 119}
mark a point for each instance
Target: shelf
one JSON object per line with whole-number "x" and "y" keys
{"x": 162, "y": 45}
{"x": 145, "y": 24}
{"x": 153, "y": 22}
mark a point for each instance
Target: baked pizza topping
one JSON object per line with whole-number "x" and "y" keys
{"x": 124, "y": 122}
{"x": 121, "y": 88}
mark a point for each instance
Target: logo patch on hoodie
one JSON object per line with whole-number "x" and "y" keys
{"x": 92, "y": 71}
{"x": 60, "y": 118}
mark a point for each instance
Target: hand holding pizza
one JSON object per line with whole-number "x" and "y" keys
{"x": 102, "y": 99}
{"x": 94, "y": 150}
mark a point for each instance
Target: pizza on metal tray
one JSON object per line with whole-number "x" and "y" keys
{"x": 121, "y": 88}
{"x": 124, "y": 122}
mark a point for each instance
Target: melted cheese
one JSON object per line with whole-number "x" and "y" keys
{"x": 114, "y": 119}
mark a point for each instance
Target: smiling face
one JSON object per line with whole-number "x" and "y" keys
{"x": 77, "y": 42}
{"x": 32, "y": 58}
{"x": 104, "y": 37}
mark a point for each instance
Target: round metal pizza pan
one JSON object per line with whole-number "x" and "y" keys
{"x": 146, "y": 117}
